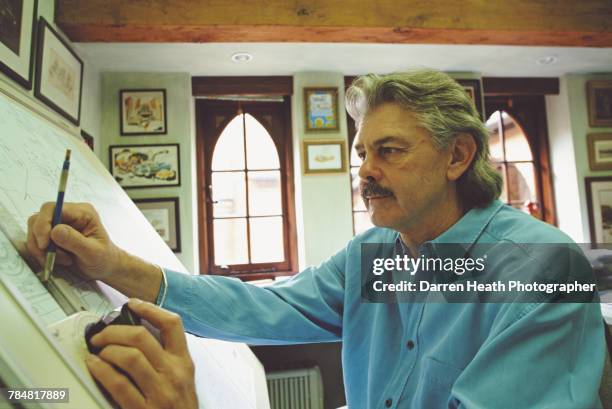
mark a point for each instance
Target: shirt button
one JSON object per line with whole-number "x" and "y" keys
{"x": 389, "y": 402}
{"x": 410, "y": 344}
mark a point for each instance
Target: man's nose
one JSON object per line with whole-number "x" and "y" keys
{"x": 369, "y": 171}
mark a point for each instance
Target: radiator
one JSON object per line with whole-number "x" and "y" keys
{"x": 296, "y": 389}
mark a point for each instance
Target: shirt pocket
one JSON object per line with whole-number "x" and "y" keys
{"x": 436, "y": 380}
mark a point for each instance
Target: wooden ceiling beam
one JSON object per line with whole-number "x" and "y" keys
{"x": 520, "y": 22}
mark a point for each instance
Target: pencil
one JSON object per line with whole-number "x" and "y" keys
{"x": 57, "y": 217}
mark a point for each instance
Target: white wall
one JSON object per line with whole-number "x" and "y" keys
{"x": 563, "y": 163}
{"x": 323, "y": 201}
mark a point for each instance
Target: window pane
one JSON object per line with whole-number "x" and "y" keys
{"x": 355, "y": 160}
{"x": 522, "y": 182}
{"x": 229, "y": 193}
{"x": 265, "y": 193}
{"x": 267, "y": 239}
{"x": 517, "y": 147}
{"x": 229, "y": 150}
{"x": 261, "y": 151}
{"x": 357, "y": 200}
{"x": 495, "y": 145}
{"x": 361, "y": 221}
{"x": 501, "y": 169}
{"x": 230, "y": 241}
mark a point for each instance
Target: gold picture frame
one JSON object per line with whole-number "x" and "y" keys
{"x": 324, "y": 156}
{"x": 599, "y": 95}
{"x": 321, "y": 109}
{"x": 600, "y": 151}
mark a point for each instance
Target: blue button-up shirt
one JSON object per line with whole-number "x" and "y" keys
{"x": 416, "y": 355}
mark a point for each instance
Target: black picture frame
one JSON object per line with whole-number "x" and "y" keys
{"x": 124, "y": 131}
{"x": 42, "y": 90}
{"x": 474, "y": 90}
{"x": 174, "y": 223}
{"x": 596, "y": 217}
{"x": 22, "y": 77}
{"x": 599, "y": 98}
{"x": 129, "y": 176}
{"x": 88, "y": 139}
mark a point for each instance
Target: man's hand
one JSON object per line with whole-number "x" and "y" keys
{"x": 83, "y": 243}
{"x": 83, "y": 246}
{"x": 163, "y": 375}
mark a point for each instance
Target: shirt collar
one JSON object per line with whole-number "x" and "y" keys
{"x": 470, "y": 227}
{"x": 466, "y": 230}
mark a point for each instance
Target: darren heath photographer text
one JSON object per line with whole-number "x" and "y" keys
{"x": 459, "y": 266}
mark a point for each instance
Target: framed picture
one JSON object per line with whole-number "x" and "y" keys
{"x": 321, "y": 109}
{"x": 600, "y": 103}
{"x": 59, "y": 74}
{"x": 88, "y": 139}
{"x": 599, "y": 205}
{"x": 474, "y": 91}
{"x": 326, "y": 156}
{"x": 143, "y": 111}
{"x": 163, "y": 214}
{"x": 145, "y": 165}
{"x": 17, "y": 36}
{"x": 600, "y": 151}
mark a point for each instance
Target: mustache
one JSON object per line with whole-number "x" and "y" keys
{"x": 373, "y": 189}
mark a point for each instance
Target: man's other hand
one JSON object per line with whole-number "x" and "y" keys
{"x": 162, "y": 376}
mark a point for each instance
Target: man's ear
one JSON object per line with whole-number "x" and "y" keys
{"x": 462, "y": 150}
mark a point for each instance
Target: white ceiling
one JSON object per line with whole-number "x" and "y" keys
{"x": 349, "y": 59}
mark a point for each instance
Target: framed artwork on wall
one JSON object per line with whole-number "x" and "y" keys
{"x": 324, "y": 156}
{"x": 474, "y": 91}
{"x": 143, "y": 112}
{"x": 599, "y": 205}
{"x": 321, "y": 109}
{"x": 600, "y": 151}
{"x": 599, "y": 94}
{"x": 88, "y": 139}
{"x": 136, "y": 166}
{"x": 163, "y": 214}
{"x": 17, "y": 38}
{"x": 59, "y": 74}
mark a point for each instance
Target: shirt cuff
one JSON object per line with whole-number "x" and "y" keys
{"x": 163, "y": 289}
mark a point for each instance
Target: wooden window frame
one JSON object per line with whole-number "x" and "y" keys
{"x": 536, "y": 133}
{"x": 204, "y": 151}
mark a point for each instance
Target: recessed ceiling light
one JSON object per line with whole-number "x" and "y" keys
{"x": 549, "y": 59}
{"x": 241, "y": 57}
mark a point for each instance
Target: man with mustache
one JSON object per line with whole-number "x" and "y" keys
{"x": 426, "y": 180}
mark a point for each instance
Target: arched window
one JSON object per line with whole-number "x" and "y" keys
{"x": 518, "y": 140}
{"x": 248, "y": 222}
{"x": 361, "y": 218}
{"x": 512, "y": 155}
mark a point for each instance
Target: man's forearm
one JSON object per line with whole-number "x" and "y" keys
{"x": 135, "y": 277}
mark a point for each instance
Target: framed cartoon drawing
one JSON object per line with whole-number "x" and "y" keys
{"x": 143, "y": 112}
{"x": 59, "y": 74}
{"x": 17, "y": 29}
{"x": 163, "y": 214}
{"x": 145, "y": 165}
{"x": 321, "y": 109}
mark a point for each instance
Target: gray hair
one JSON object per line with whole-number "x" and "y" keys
{"x": 444, "y": 109}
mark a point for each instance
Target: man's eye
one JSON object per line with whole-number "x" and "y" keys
{"x": 385, "y": 150}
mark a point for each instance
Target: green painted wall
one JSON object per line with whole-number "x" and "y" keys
{"x": 180, "y": 127}
{"x": 577, "y": 97}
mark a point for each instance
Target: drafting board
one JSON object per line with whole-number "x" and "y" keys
{"x": 32, "y": 147}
